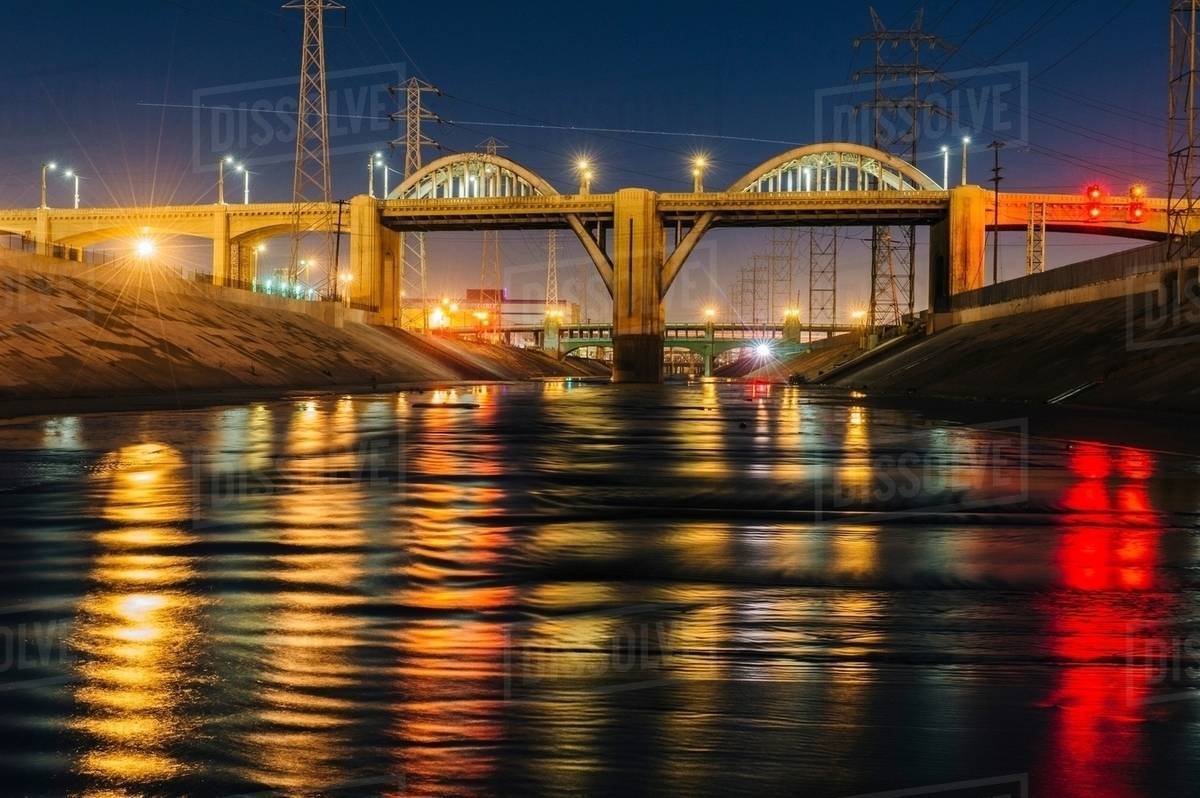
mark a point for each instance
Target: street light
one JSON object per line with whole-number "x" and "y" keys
{"x": 699, "y": 164}
{"x": 145, "y": 248}
{"x": 228, "y": 159}
{"x": 46, "y": 167}
{"x": 585, "y": 175}
{"x": 966, "y": 140}
{"x": 710, "y": 313}
{"x": 377, "y": 161}
{"x": 72, "y": 174}
{"x": 945, "y": 167}
{"x": 245, "y": 173}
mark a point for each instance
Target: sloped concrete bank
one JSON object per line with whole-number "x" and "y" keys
{"x": 1125, "y": 352}
{"x": 114, "y": 334}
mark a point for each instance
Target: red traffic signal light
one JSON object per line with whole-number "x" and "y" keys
{"x": 1094, "y": 193}
{"x": 1136, "y": 211}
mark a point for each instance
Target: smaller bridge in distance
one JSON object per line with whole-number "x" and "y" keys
{"x": 709, "y": 340}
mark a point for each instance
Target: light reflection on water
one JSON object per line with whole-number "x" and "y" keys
{"x": 702, "y": 589}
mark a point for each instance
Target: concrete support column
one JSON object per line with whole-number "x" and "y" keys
{"x": 637, "y": 287}
{"x": 220, "y": 239}
{"x": 370, "y": 285}
{"x": 41, "y": 233}
{"x": 710, "y": 344}
{"x": 793, "y": 328}
{"x": 956, "y": 247}
{"x": 550, "y": 335}
{"x": 390, "y": 282}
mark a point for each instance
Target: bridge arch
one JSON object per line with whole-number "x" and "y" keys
{"x": 835, "y": 166}
{"x": 472, "y": 175}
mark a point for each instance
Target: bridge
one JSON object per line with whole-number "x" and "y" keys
{"x": 625, "y": 233}
{"x": 709, "y": 340}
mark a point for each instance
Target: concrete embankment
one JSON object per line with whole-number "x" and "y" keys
{"x": 112, "y": 332}
{"x": 1119, "y": 352}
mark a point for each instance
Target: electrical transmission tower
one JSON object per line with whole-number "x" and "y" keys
{"x": 311, "y": 183}
{"x": 822, "y": 276}
{"x": 896, "y": 111}
{"x": 412, "y": 245}
{"x": 1183, "y": 170}
{"x": 782, "y": 267}
{"x": 552, "y": 272}
{"x": 491, "y": 276}
{"x": 1035, "y": 239}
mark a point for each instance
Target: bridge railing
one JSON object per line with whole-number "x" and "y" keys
{"x": 88, "y": 257}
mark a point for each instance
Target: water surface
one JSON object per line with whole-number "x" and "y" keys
{"x": 587, "y": 588}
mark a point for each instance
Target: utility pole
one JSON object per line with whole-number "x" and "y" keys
{"x": 896, "y": 108}
{"x": 995, "y": 147}
{"x": 412, "y": 280}
{"x": 311, "y": 181}
{"x": 491, "y": 277}
{"x": 1183, "y": 155}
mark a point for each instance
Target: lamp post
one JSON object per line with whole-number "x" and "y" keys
{"x": 245, "y": 173}
{"x": 966, "y": 141}
{"x": 585, "y": 175}
{"x": 71, "y": 174}
{"x": 46, "y": 167}
{"x": 371, "y": 175}
{"x": 228, "y": 159}
{"x": 945, "y": 167}
{"x": 699, "y": 164}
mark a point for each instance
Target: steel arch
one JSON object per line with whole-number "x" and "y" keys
{"x": 875, "y": 170}
{"x": 470, "y": 175}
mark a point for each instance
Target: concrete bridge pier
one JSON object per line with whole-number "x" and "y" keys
{"x": 638, "y": 315}
{"x": 956, "y": 249}
{"x": 375, "y": 278}
{"x": 220, "y": 262}
{"x": 710, "y": 338}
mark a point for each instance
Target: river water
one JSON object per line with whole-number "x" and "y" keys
{"x": 565, "y": 588}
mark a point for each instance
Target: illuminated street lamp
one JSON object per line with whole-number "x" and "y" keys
{"x": 699, "y": 164}
{"x": 228, "y": 159}
{"x": 245, "y": 173}
{"x": 145, "y": 249}
{"x": 945, "y": 167}
{"x": 966, "y": 140}
{"x": 585, "y": 175}
{"x": 710, "y": 313}
{"x": 71, "y": 174}
{"x": 46, "y": 167}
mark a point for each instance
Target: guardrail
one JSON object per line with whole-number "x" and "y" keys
{"x": 1076, "y": 275}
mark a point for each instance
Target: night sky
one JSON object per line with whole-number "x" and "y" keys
{"x": 111, "y": 89}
